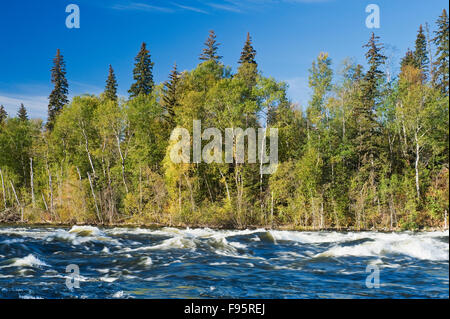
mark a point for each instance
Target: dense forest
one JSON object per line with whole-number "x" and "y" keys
{"x": 369, "y": 151}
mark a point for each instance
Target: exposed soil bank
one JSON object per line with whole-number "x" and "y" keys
{"x": 215, "y": 227}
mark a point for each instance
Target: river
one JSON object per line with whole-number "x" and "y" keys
{"x": 43, "y": 262}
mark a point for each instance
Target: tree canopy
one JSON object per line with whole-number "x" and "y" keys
{"x": 368, "y": 150}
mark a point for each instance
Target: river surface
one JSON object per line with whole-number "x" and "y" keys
{"x": 203, "y": 263}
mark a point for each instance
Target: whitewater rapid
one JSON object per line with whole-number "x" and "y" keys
{"x": 172, "y": 262}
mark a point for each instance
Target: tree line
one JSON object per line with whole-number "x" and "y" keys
{"x": 369, "y": 150}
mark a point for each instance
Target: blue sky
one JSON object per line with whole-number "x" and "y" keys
{"x": 287, "y": 34}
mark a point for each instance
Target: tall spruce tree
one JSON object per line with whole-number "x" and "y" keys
{"x": 3, "y": 115}
{"x": 170, "y": 98}
{"x": 375, "y": 59}
{"x": 22, "y": 114}
{"x": 211, "y": 47}
{"x": 111, "y": 85}
{"x": 58, "y": 97}
{"x": 142, "y": 73}
{"x": 248, "y": 53}
{"x": 368, "y": 132}
{"x": 441, "y": 39}
{"x": 248, "y": 69}
{"x": 420, "y": 54}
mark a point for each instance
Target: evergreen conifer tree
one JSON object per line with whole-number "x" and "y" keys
{"x": 248, "y": 52}
{"x": 367, "y": 139}
{"x": 58, "y": 97}
{"x": 142, "y": 73}
{"x": 408, "y": 59}
{"x": 3, "y": 115}
{"x": 170, "y": 98}
{"x": 111, "y": 85}
{"x": 248, "y": 69}
{"x": 420, "y": 53}
{"x": 22, "y": 114}
{"x": 441, "y": 39}
{"x": 210, "y": 52}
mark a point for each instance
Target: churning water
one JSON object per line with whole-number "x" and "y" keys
{"x": 205, "y": 263}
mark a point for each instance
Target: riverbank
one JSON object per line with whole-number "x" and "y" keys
{"x": 37, "y": 217}
{"x": 218, "y": 227}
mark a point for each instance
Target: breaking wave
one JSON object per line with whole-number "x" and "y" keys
{"x": 419, "y": 247}
{"x": 28, "y": 261}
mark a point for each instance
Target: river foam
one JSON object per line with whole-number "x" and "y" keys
{"x": 425, "y": 248}
{"x": 27, "y": 261}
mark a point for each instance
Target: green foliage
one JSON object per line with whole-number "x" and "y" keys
{"x": 142, "y": 74}
{"x": 171, "y": 94}
{"x": 22, "y": 113}
{"x": 368, "y": 137}
{"x": 3, "y": 115}
{"x": 111, "y": 85}
{"x": 421, "y": 53}
{"x": 248, "y": 69}
{"x": 364, "y": 153}
{"x": 209, "y": 53}
{"x": 248, "y": 53}
{"x": 58, "y": 97}
{"x": 441, "y": 41}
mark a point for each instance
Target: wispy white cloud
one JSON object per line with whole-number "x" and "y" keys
{"x": 36, "y": 105}
{"x": 82, "y": 88}
{"x": 306, "y": 1}
{"x": 35, "y": 96}
{"x": 168, "y": 7}
{"x": 205, "y": 6}
{"x": 225, "y": 7}
{"x": 190, "y": 8}
{"x": 241, "y": 6}
{"x": 138, "y": 6}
